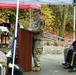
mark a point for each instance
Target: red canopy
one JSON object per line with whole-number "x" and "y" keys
{"x": 21, "y": 6}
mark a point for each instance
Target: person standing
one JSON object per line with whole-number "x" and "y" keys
{"x": 37, "y": 27}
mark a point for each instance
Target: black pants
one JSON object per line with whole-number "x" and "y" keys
{"x": 69, "y": 56}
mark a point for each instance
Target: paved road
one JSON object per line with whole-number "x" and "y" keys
{"x": 51, "y": 65}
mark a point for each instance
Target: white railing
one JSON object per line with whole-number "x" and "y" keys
{"x": 53, "y": 38}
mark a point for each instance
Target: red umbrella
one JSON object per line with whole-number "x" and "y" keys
{"x": 7, "y": 6}
{"x": 28, "y": 6}
{"x": 21, "y": 6}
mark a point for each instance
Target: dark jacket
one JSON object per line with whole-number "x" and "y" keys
{"x": 74, "y": 44}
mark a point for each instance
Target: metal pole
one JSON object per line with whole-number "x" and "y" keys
{"x": 74, "y": 24}
{"x": 15, "y": 37}
{"x": 30, "y": 17}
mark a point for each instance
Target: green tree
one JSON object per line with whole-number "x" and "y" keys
{"x": 57, "y": 17}
{"x": 7, "y": 13}
{"x": 63, "y": 17}
{"x": 48, "y": 17}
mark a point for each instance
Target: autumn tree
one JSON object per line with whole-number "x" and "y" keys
{"x": 63, "y": 17}
{"x": 48, "y": 17}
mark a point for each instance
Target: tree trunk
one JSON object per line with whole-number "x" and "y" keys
{"x": 63, "y": 20}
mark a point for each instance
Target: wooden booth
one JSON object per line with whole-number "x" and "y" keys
{"x": 25, "y": 49}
